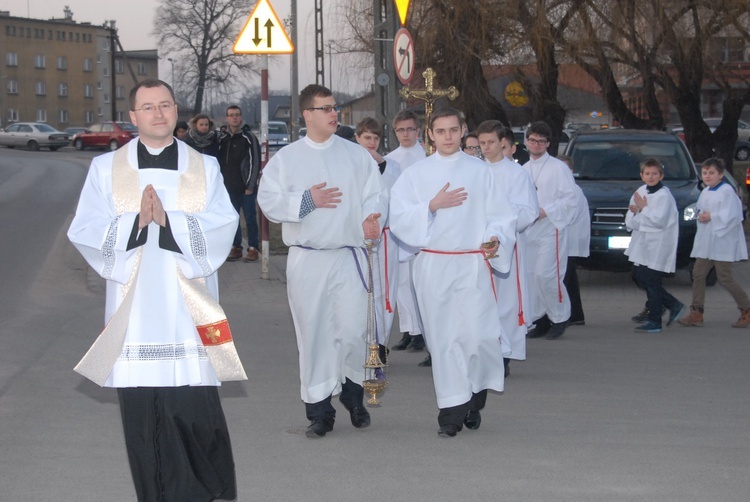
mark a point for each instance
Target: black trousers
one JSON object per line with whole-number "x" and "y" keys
{"x": 178, "y": 444}
{"x": 455, "y": 414}
{"x": 574, "y": 291}
{"x": 352, "y": 394}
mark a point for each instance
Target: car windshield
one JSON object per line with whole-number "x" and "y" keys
{"x": 45, "y": 128}
{"x": 276, "y": 129}
{"x": 620, "y": 160}
{"x": 128, "y": 126}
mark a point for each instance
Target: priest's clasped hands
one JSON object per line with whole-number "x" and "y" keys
{"x": 151, "y": 209}
{"x": 329, "y": 198}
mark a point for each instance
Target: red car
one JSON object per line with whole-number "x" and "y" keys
{"x": 110, "y": 135}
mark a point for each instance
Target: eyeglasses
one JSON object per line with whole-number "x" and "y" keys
{"x": 534, "y": 141}
{"x": 474, "y": 148}
{"x": 326, "y": 109}
{"x": 234, "y": 115}
{"x": 402, "y": 130}
{"x": 149, "y": 108}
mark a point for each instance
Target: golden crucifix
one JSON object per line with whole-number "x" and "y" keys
{"x": 429, "y": 95}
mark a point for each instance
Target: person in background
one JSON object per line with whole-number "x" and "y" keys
{"x": 719, "y": 241}
{"x": 202, "y": 135}
{"x": 239, "y": 157}
{"x": 180, "y": 130}
{"x": 471, "y": 146}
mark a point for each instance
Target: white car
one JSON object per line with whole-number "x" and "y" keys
{"x": 33, "y": 135}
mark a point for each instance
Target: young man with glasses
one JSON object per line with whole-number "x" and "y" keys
{"x": 239, "y": 157}
{"x": 447, "y": 206}
{"x": 155, "y": 221}
{"x": 547, "y": 250}
{"x": 407, "y": 127}
{"x": 329, "y": 197}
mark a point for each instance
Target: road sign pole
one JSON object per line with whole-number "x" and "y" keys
{"x": 264, "y": 159}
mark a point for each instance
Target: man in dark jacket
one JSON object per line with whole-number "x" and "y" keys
{"x": 239, "y": 157}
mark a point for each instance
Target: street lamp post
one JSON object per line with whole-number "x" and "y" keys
{"x": 330, "y": 64}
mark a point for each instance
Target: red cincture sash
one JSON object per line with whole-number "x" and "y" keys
{"x": 477, "y": 251}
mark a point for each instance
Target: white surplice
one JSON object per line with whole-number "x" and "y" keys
{"x": 547, "y": 242}
{"x": 722, "y": 238}
{"x": 408, "y": 313}
{"x": 513, "y": 296}
{"x": 579, "y": 232}
{"x": 162, "y": 346}
{"x": 655, "y": 231}
{"x": 452, "y": 279}
{"x": 327, "y": 266}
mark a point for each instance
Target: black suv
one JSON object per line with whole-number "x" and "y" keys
{"x": 606, "y": 167}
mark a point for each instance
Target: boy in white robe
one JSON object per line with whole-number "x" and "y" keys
{"x": 547, "y": 236}
{"x": 447, "y": 206}
{"x": 328, "y": 194}
{"x": 518, "y": 189}
{"x": 367, "y": 135}
{"x": 719, "y": 241}
{"x": 407, "y": 127}
{"x": 652, "y": 217}
{"x": 155, "y": 221}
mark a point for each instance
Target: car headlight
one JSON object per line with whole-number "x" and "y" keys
{"x": 690, "y": 213}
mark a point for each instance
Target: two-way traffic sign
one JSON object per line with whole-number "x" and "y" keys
{"x": 263, "y": 33}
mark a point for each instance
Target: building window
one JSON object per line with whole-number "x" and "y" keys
{"x": 120, "y": 92}
{"x": 141, "y": 68}
{"x": 78, "y": 37}
{"x": 88, "y": 64}
{"x": 88, "y": 91}
{"x": 98, "y": 59}
{"x": 62, "y": 89}
{"x": 11, "y": 59}
{"x": 105, "y": 71}
{"x": 40, "y": 61}
{"x": 63, "y": 116}
{"x": 41, "y": 115}
{"x": 41, "y": 89}
{"x": 89, "y": 118}
{"x": 99, "y": 86}
{"x": 49, "y": 34}
{"x": 100, "y": 111}
{"x": 12, "y": 86}
{"x": 62, "y": 63}
{"x": 119, "y": 67}
{"x": 121, "y": 117}
{"x": 12, "y": 115}
{"x": 10, "y": 30}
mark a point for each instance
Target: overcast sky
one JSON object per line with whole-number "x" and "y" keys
{"x": 135, "y": 22}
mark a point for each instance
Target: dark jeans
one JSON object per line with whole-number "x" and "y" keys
{"x": 352, "y": 395}
{"x": 251, "y": 219}
{"x": 657, "y": 298}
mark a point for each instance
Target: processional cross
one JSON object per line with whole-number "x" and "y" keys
{"x": 429, "y": 95}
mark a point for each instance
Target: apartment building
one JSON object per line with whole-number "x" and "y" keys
{"x": 66, "y": 73}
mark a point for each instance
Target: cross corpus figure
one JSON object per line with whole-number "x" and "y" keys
{"x": 429, "y": 95}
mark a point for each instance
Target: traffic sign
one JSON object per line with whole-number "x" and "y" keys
{"x": 403, "y": 56}
{"x": 402, "y": 6}
{"x": 263, "y": 33}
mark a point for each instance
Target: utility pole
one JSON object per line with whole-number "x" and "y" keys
{"x": 320, "y": 70}
{"x": 113, "y": 82}
{"x": 294, "y": 109}
{"x": 387, "y": 102}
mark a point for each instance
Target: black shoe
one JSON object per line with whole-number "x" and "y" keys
{"x": 359, "y": 415}
{"x": 641, "y": 317}
{"x": 448, "y": 431}
{"x": 318, "y": 428}
{"x": 506, "y": 363}
{"x": 556, "y": 330}
{"x": 405, "y": 341}
{"x": 427, "y": 362}
{"x": 537, "y": 332}
{"x": 473, "y": 420}
{"x": 416, "y": 344}
{"x": 577, "y": 323}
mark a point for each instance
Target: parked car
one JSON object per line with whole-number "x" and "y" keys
{"x": 110, "y": 135}
{"x": 33, "y": 135}
{"x": 278, "y": 134}
{"x": 741, "y": 148}
{"x": 606, "y": 167}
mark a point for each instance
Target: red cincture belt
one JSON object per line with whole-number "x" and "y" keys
{"x": 478, "y": 251}
{"x": 387, "y": 281}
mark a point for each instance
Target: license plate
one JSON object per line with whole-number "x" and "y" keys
{"x": 618, "y": 241}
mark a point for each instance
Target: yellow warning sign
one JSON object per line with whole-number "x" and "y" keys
{"x": 263, "y": 33}
{"x": 402, "y": 6}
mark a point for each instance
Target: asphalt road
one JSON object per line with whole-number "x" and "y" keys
{"x": 604, "y": 414}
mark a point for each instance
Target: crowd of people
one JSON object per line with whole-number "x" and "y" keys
{"x": 475, "y": 252}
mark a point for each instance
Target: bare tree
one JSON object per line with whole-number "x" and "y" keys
{"x": 200, "y": 34}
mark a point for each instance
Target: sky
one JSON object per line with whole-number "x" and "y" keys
{"x": 135, "y": 22}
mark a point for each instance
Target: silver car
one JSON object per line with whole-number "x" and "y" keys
{"x": 33, "y": 136}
